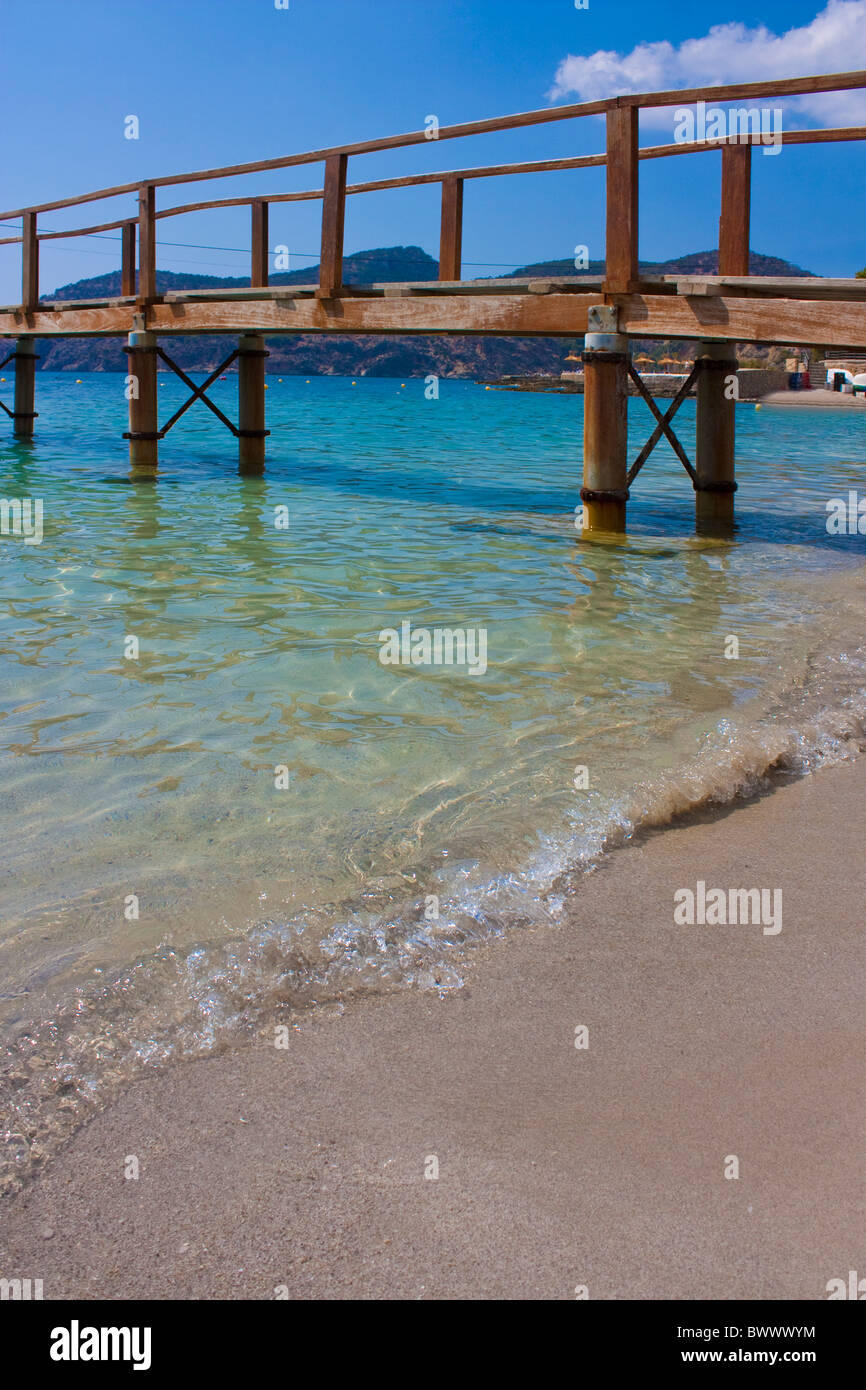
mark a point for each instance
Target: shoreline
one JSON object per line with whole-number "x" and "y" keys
{"x": 816, "y": 399}
{"x": 304, "y": 1167}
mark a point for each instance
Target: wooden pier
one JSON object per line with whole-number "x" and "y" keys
{"x": 716, "y": 311}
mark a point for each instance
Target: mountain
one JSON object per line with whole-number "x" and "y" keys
{"x": 368, "y": 355}
{"x": 364, "y": 268}
{"x": 698, "y": 263}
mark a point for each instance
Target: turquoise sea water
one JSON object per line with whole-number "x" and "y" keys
{"x": 162, "y": 894}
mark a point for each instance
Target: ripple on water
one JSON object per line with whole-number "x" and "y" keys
{"x": 258, "y": 651}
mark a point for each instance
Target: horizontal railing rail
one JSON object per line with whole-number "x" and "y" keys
{"x": 620, "y": 160}
{"x": 540, "y": 166}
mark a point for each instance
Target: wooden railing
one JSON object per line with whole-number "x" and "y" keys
{"x": 622, "y": 158}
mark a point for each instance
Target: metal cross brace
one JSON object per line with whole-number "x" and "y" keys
{"x": 3, "y": 406}
{"x": 663, "y": 426}
{"x": 198, "y": 392}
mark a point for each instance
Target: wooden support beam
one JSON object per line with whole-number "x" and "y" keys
{"x": 621, "y": 251}
{"x": 127, "y": 258}
{"x": 736, "y": 207}
{"x": 29, "y": 263}
{"x": 251, "y": 403}
{"x": 714, "y": 435}
{"x": 147, "y": 243}
{"x": 605, "y": 432}
{"x": 143, "y": 434}
{"x": 23, "y": 413}
{"x": 259, "y": 229}
{"x": 451, "y": 231}
{"x": 333, "y": 224}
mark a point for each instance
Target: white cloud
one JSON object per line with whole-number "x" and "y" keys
{"x": 835, "y": 41}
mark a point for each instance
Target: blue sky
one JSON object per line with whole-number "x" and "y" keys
{"x": 222, "y": 81}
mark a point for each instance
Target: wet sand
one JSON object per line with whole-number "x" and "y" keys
{"x": 558, "y": 1167}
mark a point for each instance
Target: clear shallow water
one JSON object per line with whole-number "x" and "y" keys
{"x": 259, "y": 648}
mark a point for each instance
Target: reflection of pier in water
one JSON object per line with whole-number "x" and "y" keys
{"x": 715, "y": 311}
{"x": 605, "y": 574}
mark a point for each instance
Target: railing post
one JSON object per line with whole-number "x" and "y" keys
{"x": 29, "y": 263}
{"x": 333, "y": 223}
{"x": 127, "y": 259}
{"x": 147, "y": 243}
{"x": 736, "y": 208}
{"x": 621, "y": 249}
{"x": 259, "y": 230}
{"x": 451, "y": 233}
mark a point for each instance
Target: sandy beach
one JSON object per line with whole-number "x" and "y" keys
{"x": 817, "y": 399}
{"x": 303, "y": 1169}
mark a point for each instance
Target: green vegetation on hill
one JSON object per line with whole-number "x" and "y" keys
{"x": 698, "y": 263}
{"x": 364, "y": 268}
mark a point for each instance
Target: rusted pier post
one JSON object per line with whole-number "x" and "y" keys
{"x": 143, "y": 432}
{"x": 251, "y": 403}
{"x": 714, "y": 446}
{"x": 23, "y": 413}
{"x": 605, "y": 431}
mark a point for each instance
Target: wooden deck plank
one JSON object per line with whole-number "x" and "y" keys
{"x": 524, "y": 315}
{"x": 734, "y": 311}
{"x": 807, "y": 323}
{"x": 378, "y": 289}
{"x": 774, "y": 282}
{"x": 775, "y": 287}
{"x": 47, "y": 322}
{"x": 73, "y": 304}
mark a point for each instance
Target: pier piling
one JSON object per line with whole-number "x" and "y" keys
{"x": 143, "y": 432}
{"x": 714, "y": 434}
{"x": 23, "y": 413}
{"x": 251, "y": 403}
{"x": 605, "y": 432}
